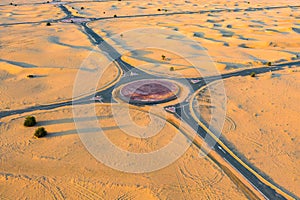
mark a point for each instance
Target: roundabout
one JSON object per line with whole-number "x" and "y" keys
{"x": 149, "y": 91}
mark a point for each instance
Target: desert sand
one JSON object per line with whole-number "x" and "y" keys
{"x": 60, "y": 167}
{"x": 48, "y": 53}
{"x": 266, "y": 121}
{"x": 261, "y": 124}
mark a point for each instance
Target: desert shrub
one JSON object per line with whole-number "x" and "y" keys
{"x": 159, "y": 9}
{"x": 269, "y": 63}
{"x": 40, "y": 132}
{"x": 29, "y": 121}
{"x": 172, "y": 69}
{"x": 48, "y": 24}
{"x": 30, "y": 76}
{"x": 253, "y": 74}
{"x": 163, "y": 57}
{"x": 82, "y": 8}
{"x": 115, "y": 16}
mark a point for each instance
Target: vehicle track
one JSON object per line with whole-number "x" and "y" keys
{"x": 51, "y": 188}
{"x": 83, "y": 192}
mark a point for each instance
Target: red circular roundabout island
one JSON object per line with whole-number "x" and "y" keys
{"x": 149, "y": 91}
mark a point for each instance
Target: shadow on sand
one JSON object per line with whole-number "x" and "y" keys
{"x": 71, "y": 120}
{"x": 84, "y": 130}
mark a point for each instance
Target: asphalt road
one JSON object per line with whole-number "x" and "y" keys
{"x": 183, "y": 112}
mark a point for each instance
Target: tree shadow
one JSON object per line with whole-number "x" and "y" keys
{"x": 82, "y": 131}
{"x": 36, "y": 76}
{"x": 71, "y": 120}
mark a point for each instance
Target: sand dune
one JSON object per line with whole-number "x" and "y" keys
{"x": 52, "y": 54}
{"x": 29, "y": 13}
{"x": 236, "y": 40}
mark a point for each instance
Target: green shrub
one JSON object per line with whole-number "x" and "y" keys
{"x": 29, "y": 121}
{"x": 40, "y": 132}
{"x": 253, "y": 74}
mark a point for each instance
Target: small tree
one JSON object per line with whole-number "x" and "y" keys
{"x": 163, "y": 57}
{"x": 253, "y": 74}
{"x": 29, "y": 121}
{"x": 30, "y": 76}
{"x": 40, "y": 132}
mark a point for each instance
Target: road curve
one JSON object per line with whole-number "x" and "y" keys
{"x": 269, "y": 190}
